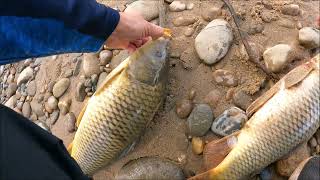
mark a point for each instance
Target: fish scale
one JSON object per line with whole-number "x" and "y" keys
{"x": 289, "y": 118}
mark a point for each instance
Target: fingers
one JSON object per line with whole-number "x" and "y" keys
{"x": 154, "y": 31}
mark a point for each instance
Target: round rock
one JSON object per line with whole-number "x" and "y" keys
{"x": 148, "y": 9}
{"x": 64, "y": 106}
{"x": 105, "y": 57}
{"x": 184, "y": 108}
{"x": 213, "y": 98}
{"x": 25, "y": 75}
{"x": 52, "y": 103}
{"x": 32, "y": 88}
{"x": 184, "y": 21}
{"x": 277, "y": 57}
{"x": 11, "y": 90}
{"x": 225, "y": 78}
{"x": 80, "y": 92}
{"x": 309, "y": 37}
{"x": 213, "y": 49}
{"x": 37, "y": 108}
{"x": 90, "y": 64}
{"x": 200, "y": 120}
{"x": 230, "y": 121}
{"x": 71, "y": 122}
{"x": 60, "y": 87}
{"x": 211, "y": 14}
{"x": 241, "y": 99}
{"x": 197, "y": 145}
{"x": 290, "y": 9}
{"x": 177, "y": 6}
{"x": 54, "y": 117}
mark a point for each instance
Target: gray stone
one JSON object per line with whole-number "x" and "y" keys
{"x": 19, "y": 105}
{"x": 90, "y": 64}
{"x": 102, "y": 76}
{"x": 105, "y": 57}
{"x": 225, "y": 78}
{"x": 177, "y": 6}
{"x": 309, "y": 37}
{"x": 32, "y": 88}
{"x": 290, "y": 9}
{"x": 25, "y": 75}
{"x": 80, "y": 92}
{"x": 184, "y": 21}
{"x": 213, "y": 49}
{"x": 64, "y": 106}
{"x": 68, "y": 73}
{"x": 148, "y": 9}
{"x": 230, "y": 121}
{"x": 37, "y": 108}
{"x": 242, "y": 100}
{"x": 50, "y": 86}
{"x": 26, "y": 109}
{"x": 77, "y": 67}
{"x": 88, "y": 83}
{"x": 277, "y": 57}
{"x": 200, "y": 120}
{"x": 255, "y": 28}
{"x": 211, "y": 14}
{"x": 60, "y": 87}
{"x": 52, "y": 103}
{"x": 54, "y": 117}
{"x": 94, "y": 79}
{"x": 11, "y": 90}
{"x": 71, "y": 122}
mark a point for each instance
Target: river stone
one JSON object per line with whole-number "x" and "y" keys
{"x": 37, "y": 108}
{"x": 213, "y": 49}
{"x": 25, "y": 75}
{"x": 32, "y": 88}
{"x": 150, "y": 168}
{"x": 183, "y": 108}
{"x": 225, "y": 78}
{"x": 52, "y": 103}
{"x": 290, "y": 9}
{"x": 148, "y": 9}
{"x": 184, "y": 21}
{"x": 309, "y": 37}
{"x": 64, "y": 106}
{"x": 26, "y": 109}
{"x": 80, "y": 92}
{"x": 200, "y": 120}
{"x": 90, "y": 64}
{"x": 105, "y": 57}
{"x": 230, "y": 121}
{"x": 211, "y": 13}
{"x": 54, "y": 117}
{"x": 242, "y": 100}
{"x": 11, "y": 90}
{"x": 277, "y": 57}
{"x": 177, "y": 6}
{"x": 60, "y": 87}
{"x": 71, "y": 122}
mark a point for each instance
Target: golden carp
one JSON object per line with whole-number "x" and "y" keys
{"x": 119, "y": 111}
{"x": 285, "y": 116}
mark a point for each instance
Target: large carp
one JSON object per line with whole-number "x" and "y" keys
{"x": 119, "y": 111}
{"x": 285, "y": 116}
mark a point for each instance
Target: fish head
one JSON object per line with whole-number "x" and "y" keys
{"x": 149, "y": 63}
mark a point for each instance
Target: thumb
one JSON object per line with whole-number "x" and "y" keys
{"x": 154, "y": 31}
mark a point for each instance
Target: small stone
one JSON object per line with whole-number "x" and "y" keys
{"x": 77, "y": 67}
{"x": 54, "y": 117}
{"x": 94, "y": 79}
{"x": 89, "y": 94}
{"x": 71, "y": 122}
{"x": 37, "y": 108}
{"x": 54, "y": 57}
{"x": 318, "y": 149}
{"x": 80, "y": 92}
{"x": 46, "y": 96}
{"x": 184, "y": 108}
{"x": 189, "y": 31}
{"x": 285, "y": 167}
{"x": 255, "y": 28}
{"x": 88, "y": 83}
{"x": 102, "y": 76}
{"x": 291, "y": 9}
{"x": 11, "y": 90}
{"x": 213, "y": 49}
{"x": 309, "y": 37}
{"x": 184, "y": 21}
{"x": 32, "y": 88}
{"x": 19, "y": 105}
{"x": 211, "y": 14}
{"x": 116, "y": 60}
{"x": 192, "y": 94}
{"x": 267, "y": 16}
{"x": 33, "y": 117}
{"x": 242, "y": 100}
{"x": 12, "y": 101}
{"x": 25, "y": 75}
{"x": 50, "y": 86}
{"x": 52, "y": 103}
{"x": 277, "y": 57}
{"x": 197, "y": 145}
{"x": 90, "y": 64}
{"x": 267, "y": 4}
{"x": 87, "y": 90}
{"x": 47, "y": 108}
{"x": 213, "y": 98}
{"x": 230, "y": 121}
{"x": 148, "y": 9}
{"x": 177, "y": 6}
{"x": 175, "y": 54}
{"x": 168, "y": 1}
{"x": 64, "y": 106}
{"x": 313, "y": 142}
{"x": 60, "y": 87}
{"x": 225, "y": 78}
{"x": 189, "y": 6}
{"x": 200, "y": 120}
{"x": 27, "y": 62}
{"x": 68, "y": 73}
{"x": 287, "y": 23}
{"x": 105, "y": 57}
{"x": 13, "y": 70}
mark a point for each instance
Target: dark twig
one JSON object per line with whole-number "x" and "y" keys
{"x": 244, "y": 38}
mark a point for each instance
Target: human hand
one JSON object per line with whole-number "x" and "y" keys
{"x": 132, "y": 32}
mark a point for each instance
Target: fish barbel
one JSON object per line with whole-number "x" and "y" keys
{"x": 119, "y": 111}
{"x": 285, "y": 116}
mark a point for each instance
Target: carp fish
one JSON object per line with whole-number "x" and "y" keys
{"x": 284, "y": 117}
{"x": 120, "y": 110}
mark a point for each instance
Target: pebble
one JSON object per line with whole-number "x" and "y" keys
{"x": 37, "y": 108}
{"x": 242, "y": 100}
{"x": 213, "y": 98}
{"x": 287, "y": 23}
{"x": 277, "y": 57}
{"x": 71, "y": 122}
{"x": 89, "y": 94}
{"x": 25, "y": 75}
{"x": 60, "y": 87}
{"x": 150, "y": 168}
{"x": 213, "y": 49}
{"x": 116, "y": 60}
{"x": 102, "y": 76}
{"x": 10, "y": 78}
{"x": 225, "y": 78}
{"x": 80, "y": 92}
{"x": 267, "y": 16}
{"x": 197, "y": 145}
{"x": 290, "y": 9}
{"x": 285, "y": 167}
{"x": 211, "y": 14}
{"x": 184, "y": 108}
{"x": 32, "y": 88}
{"x": 19, "y": 105}
{"x": 148, "y": 9}
{"x": 33, "y": 117}
{"x": 47, "y": 108}
{"x": 177, "y": 6}
{"x": 54, "y": 117}
{"x": 267, "y": 4}
{"x": 50, "y": 86}
{"x": 67, "y": 73}
{"x": 189, "y": 31}
{"x": 90, "y": 64}
{"x": 309, "y": 37}
{"x": 255, "y": 28}
{"x": 94, "y": 79}
{"x": 64, "y": 106}
{"x": 105, "y": 57}
{"x": 87, "y": 90}
{"x": 27, "y": 62}
{"x": 230, "y": 121}
{"x": 184, "y": 21}
{"x": 190, "y": 6}
{"x": 200, "y": 120}
{"x": 52, "y": 103}
{"x": 17, "y": 110}
{"x": 43, "y": 125}
{"x": 11, "y": 90}
{"x": 88, "y": 83}
{"x": 313, "y": 142}
{"x": 77, "y": 67}
{"x": 12, "y": 101}
{"x": 192, "y": 94}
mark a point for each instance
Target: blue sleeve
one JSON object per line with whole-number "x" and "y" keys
{"x": 34, "y": 28}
